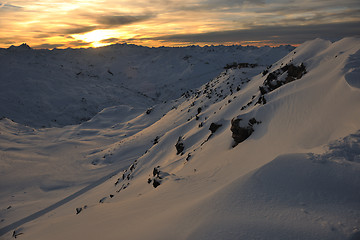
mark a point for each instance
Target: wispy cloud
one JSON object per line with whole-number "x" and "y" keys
{"x": 110, "y": 40}
{"x": 6, "y": 41}
{"x": 119, "y": 20}
{"x": 78, "y": 29}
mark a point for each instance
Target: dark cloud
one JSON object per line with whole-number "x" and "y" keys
{"x": 6, "y": 41}
{"x": 9, "y": 7}
{"x": 110, "y": 40}
{"x": 79, "y": 29}
{"x": 43, "y": 35}
{"x": 77, "y": 43}
{"x": 231, "y": 3}
{"x": 215, "y": 5}
{"x": 104, "y": 22}
{"x": 294, "y": 19}
{"x": 314, "y": 8}
{"x": 118, "y": 20}
{"x": 274, "y": 34}
{"x": 48, "y": 46}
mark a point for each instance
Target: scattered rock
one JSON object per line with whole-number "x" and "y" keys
{"x": 253, "y": 121}
{"x": 214, "y": 126}
{"x": 242, "y": 132}
{"x": 78, "y": 210}
{"x": 156, "y": 171}
{"x": 156, "y": 140}
{"x": 272, "y": 82}
{"x": 149, "y": 110}
{"x": 179, "y": 145}
{"x": 156, "y": 183}
{"x": 240, "y": 65}
{"x": 117, "y": 181}
{"x": 158, "y": 177}
{"x": 295, "y": 72}
{"x": 124, "y": 186}
{"x": 132, "y": 167}
{"x": 16, "y": 233}
{"x": 239, "y": 134}
{"x": 261, "y": 100}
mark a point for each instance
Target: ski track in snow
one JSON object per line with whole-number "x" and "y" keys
{"x": 54, "y": 206}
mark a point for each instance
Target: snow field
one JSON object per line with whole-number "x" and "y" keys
{"x": 295, "y": 177}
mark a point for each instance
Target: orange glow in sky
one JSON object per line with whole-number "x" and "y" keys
{"x": 90, "y": 23}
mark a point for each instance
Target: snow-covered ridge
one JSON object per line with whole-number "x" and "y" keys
{"x": 64, "y": 87}
{"x": 180, "y": 175}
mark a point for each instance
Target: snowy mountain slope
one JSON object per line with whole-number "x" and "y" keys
{"x": 64, "y": 87}
{"x": 48, "y": 164}
{"x": 295, "y": 177}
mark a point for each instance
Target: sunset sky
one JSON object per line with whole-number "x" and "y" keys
{"x": 90, "y": 23}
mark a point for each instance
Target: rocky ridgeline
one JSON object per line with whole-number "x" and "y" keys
{"x": 242, "y": 130}
{"x": 277, "y": 78}
{"x": 221, "y": 88}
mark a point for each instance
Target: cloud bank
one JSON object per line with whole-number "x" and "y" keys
{"x": 271, "y": 34}
{"x": 160, "y": 22}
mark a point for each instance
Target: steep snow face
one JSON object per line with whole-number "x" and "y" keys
{"x": 63, "y": 87}
{"x": 352, "y": 70}
{"x": 296, "y": 176}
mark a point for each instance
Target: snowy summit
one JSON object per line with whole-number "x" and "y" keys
{"x": 129, "y": 142}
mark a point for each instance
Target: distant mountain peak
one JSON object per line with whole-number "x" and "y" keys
{"x": 23, "y": 46}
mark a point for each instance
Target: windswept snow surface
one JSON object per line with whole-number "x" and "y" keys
{"x": 296, "y": 177}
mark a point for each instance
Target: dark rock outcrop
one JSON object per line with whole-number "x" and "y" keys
{"x": 235, "y": 65}
{"x": 179, "y": 145}
{"x": 157, "y": 177}
{"x": 78, "y": 210}
{"x": 149, "y": 110}
{"x": 156, "y": 140}
{"x": 156, "y": 183}
{"x": 214, "y": 126}
{"x": 272, "y": 82}
{"x": 240, "y": 132}
{"x": 156, "y": 171}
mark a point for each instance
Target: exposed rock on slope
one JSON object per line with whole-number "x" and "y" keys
{"x": 277, "y": 78}
{"x": 241, "y": 131}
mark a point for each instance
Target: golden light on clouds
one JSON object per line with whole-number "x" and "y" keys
{"x": 96, "y": 36}
{"x": 79, "y": 23}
